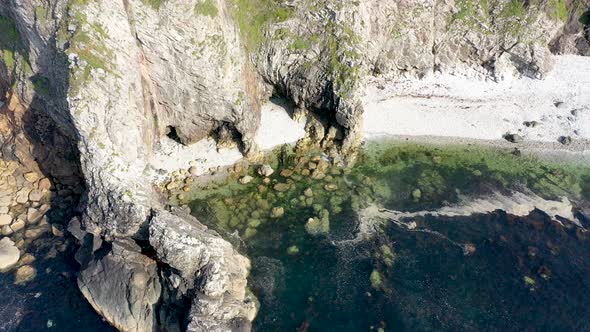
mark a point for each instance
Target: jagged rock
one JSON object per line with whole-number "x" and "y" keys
{"x": 9, "y": 254}
{"x": 265, "y": 170}
{"x": 208, "y": 262}
{"x": 123, "y": 287}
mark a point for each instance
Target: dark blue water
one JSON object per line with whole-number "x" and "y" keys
{"x": 51, "y": 301}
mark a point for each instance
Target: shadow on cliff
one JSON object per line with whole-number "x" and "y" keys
{"x": 44, "y": 134}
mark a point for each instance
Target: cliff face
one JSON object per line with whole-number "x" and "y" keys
{"x": 112, "y": 78}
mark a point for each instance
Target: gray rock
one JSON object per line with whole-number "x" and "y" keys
{"x": 513, "y": 138}
{"x": 9, "y": 254}
{"x": 565, "y": 140}
{"x": 199, "y": 254}
{"x": 123, "y": 287}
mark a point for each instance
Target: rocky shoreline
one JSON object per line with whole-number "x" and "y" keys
{"x": 102, "y": 100}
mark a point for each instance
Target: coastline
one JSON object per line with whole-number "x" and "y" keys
{"x": 439, "y": 110}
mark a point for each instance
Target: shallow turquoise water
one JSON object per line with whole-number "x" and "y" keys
{"x": 526, "y": 273}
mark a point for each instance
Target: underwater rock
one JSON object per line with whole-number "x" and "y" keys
{"x": 331, "y": 187}
{"x": 417, "y": 194}
{"x": 281, "y": 187}
{"x": 265, "y": 170}
{"x": 376, "y": 280}
{"x": 277, "y": 212}
{"x": 24, "y": 274}
{"x": 292, "y": 250}
{"x": 286, "y": 173}
{"x": 246, "y": 179}
{"x": 318, "y": 226}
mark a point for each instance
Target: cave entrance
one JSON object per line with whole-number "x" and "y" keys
{"x": 173, "y": 134}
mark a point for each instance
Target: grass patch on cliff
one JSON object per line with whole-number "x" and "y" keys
{"x": 206, "y": 8}
{"x": 12, "y": 51}
{"x": 155, "y": 4}
{"x": 253, "y": 16}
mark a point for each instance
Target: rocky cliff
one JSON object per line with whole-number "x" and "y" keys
{"x": 102, "y": 83}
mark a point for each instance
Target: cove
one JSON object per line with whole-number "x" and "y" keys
{"x": 314, "y": 269}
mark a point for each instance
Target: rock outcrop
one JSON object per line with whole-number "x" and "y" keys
{"x": 123, "y": 287}
{"x": 210, "y": 270}
{"x": 97, "y": 86}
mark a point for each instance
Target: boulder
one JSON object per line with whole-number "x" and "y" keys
{"x": 9, "y": 254}
{"x": 123, "y": 287}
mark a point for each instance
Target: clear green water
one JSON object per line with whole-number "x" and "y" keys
{"x": 526, "y": 273}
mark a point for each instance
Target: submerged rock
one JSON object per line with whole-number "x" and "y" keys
{"x": 246, "y": 179}
{"x": 24, "y": 274}
{"x": 318, "y": 226}
{"x": 265, "y": 170}
{"x": 277, "y": 212}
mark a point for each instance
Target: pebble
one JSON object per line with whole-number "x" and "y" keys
{"x": 193, "y": 170}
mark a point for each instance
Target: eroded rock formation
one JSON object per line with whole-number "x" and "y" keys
{"x": 101, "y": 83}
